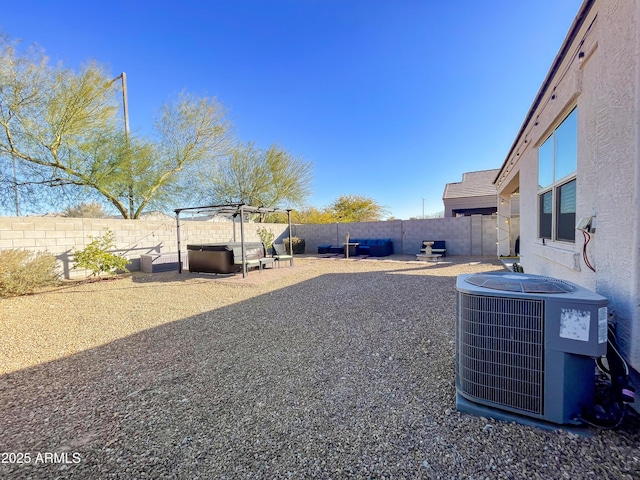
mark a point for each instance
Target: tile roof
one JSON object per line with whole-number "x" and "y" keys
{"x": 474, "y": 184}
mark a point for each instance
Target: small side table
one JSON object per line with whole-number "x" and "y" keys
{"x": 350, "y": 249}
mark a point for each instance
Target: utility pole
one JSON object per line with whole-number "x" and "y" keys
{"x": 125, "y": 104}
{"x": 123, "y": 78}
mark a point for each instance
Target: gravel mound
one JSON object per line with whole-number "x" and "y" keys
{"x": 332, "y": 369}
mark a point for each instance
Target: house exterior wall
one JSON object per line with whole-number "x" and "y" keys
{"x": 604, "y": 87}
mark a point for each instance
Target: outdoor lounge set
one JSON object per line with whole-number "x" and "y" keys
{"x": 227, "y": 258}
{"x": 369, "y": 247}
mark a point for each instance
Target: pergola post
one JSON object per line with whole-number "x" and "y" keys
{"x": 290, "y": 235}
{"x": 244, "y": 252}
{"x": 178, "y": 239}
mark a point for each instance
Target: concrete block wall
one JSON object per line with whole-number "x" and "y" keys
{"x": 317, "y": 234}
{"x": 476, "y": 240}
{"x": 62, "y": 236}
{"x": 455, "y": 231}
{"x": 489, "y": 235}
{"x": 475, "y": 235}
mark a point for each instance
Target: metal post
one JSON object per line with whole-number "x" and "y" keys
{"x": 244, "y": 252}
{"x": 178, "y": 235}
{"x": 346, "y": 246}
{"x": 234, "y": 227}
{"x": 290, "y": 235}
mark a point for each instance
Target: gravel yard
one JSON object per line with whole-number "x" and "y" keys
{"x": 332, "y": 369}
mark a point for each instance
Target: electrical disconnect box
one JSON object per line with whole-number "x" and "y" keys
{"x": 587, "y": 224}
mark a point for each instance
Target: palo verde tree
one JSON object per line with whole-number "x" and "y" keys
{"x": 264, "y": 178}
{"x": 345, "y": 209}
{"x": 357, "y": 208}
{"x": 63, "y": 129}
{"x": 312, "y": 215}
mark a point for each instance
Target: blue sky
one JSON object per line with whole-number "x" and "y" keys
{"x": 388, "y": 99}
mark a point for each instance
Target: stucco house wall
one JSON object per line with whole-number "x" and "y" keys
{"x": 597, "y": 70}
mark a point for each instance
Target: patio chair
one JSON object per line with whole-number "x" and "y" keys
{"x": 280, "y": 253}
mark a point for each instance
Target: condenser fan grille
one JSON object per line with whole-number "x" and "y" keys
{"x": 500, "y": 351}
{"x": 520, "y": 283}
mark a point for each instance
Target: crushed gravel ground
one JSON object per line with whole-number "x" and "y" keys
{"x": 332, "y": 369}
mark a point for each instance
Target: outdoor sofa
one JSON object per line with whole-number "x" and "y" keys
{"x": 366, "y": 246}
{"x": 373, "y": 247}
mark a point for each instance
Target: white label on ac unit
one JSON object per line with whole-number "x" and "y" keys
{"x": 574, "y": 324}
{"x": 602, "y": 325}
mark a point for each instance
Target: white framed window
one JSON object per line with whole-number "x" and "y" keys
{"x": 557, "y": 186}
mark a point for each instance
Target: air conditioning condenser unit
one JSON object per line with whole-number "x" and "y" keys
{"x": 525, "y": 346}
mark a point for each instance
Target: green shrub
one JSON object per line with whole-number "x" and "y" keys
{"x": 23, "y": 271}
{"x": 97, "y": 257}
{"x": 266, "y": 237}
{"x": 298, "y": 245}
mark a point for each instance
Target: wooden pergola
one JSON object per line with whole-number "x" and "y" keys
{"x": 234, "y": 210}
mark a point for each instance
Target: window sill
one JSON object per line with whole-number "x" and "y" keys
{"x": 561, "y": 253}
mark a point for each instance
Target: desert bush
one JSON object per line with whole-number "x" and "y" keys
{"x": 97, "y": 258}
{"x": 85, "y": 210}
{"x": 298, "y": 245}
{"x": 24, "y": 271}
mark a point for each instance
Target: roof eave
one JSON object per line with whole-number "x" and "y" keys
{"x": 573, "y": 31}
